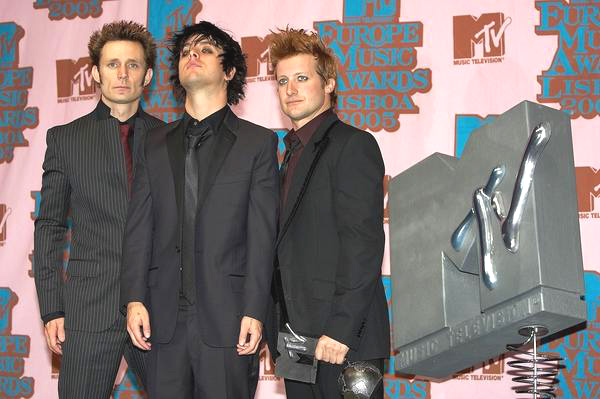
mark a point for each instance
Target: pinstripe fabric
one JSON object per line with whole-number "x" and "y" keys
{"x": 93, "y": 361}
{"x": 84, "y": 173}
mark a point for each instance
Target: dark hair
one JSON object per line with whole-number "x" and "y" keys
{"x": 232, "y": 57}
{"x": 122, "y": 30}
{"x": 290, "y": 42}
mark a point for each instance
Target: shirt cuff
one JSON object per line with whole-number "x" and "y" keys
{"x": 52, "y": 316}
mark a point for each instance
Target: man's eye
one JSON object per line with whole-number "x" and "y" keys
{"x": 184, "y": 53}
{"x": 302, "y": 78}
{"x": 134, "y": 66}
{"x": 112, "y": 65}
{"x": 282, "y": 81}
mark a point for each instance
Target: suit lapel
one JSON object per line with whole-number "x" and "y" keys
{"x": 176, "y": 159}
{"x": 139, "y": 137}
{"x": 301, "y": 172}
{"x": 224, "y": 140}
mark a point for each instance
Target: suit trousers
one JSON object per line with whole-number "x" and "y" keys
{"x": 187, "y": 368}
{"x": 91, "y": 360}
{"x": 326, "y": 386}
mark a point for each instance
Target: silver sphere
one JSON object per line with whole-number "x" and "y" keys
{"x": 358, "y": 380}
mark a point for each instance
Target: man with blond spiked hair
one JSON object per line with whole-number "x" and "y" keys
{"x": 331, "y": 240}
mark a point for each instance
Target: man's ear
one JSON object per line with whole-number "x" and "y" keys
{"x": 148, "y": 77}
{"x": 330, "y": 86}
{"x": 229, "y": 75}
{"x": 96, "y": 74}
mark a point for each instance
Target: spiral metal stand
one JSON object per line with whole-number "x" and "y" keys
{"x": 536, "y": 372}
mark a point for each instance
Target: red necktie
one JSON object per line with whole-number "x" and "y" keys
{"x": 125, "y": 130}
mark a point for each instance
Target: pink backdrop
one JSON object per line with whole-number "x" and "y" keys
{"x": 420, "y": 75}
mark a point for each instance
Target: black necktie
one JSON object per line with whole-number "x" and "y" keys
{"x": 195, "y": 136}
{"x": 292, "y": 143}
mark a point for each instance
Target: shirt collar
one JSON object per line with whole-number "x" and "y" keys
{"x": 306, "y": 132}
{"x": 214, "y": 120}
{"x": 103, "y": 113}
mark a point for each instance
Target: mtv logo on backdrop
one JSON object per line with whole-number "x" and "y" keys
{"x": 482, "y": 37}
{"x": 258, "y": 58}
{"x": 588, "y": 191}
{"x": 5, "y": 212}
{"x": 267, "y": 367}
{"x": 371, "y": 10}
{"x": 280, "y": 143}
{"x": 10, "y": 34}
{"x": 74, "y": 80}
{"x": 166, "y": 17}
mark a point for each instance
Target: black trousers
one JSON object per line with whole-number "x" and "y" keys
{"x": 187, "y": 368}
{"x": 91, "y": 360}
{"x": 326, "y": 386}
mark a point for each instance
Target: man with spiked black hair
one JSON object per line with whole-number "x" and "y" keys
{"x": 199, "y": 242}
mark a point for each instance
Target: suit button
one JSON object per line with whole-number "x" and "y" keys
{"x": 177, "y": 249}
{"x": 180, "y": 268}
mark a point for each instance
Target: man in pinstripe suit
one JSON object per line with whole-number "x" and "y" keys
{"x": 88, "y": 170}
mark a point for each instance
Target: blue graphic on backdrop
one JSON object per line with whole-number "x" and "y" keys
{"x": 573, "y": 78}
{"x": 129, "y": 388}
{"x": 580, "y": 379}
{"x": 397, "y": 387}
{"x": 464, "y": 126}
{"x": 15, "y": 83}
{"x": 13, "y": 351}
{"x": 164, "y": 18}
{"x": 377, "y": 54}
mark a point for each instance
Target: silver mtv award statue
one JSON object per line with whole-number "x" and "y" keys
{"x": 485, "y": 250}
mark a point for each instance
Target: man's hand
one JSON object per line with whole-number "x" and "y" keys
{"x": 138, "y": 325}
{"x": 331, "y": 351}
{"x": 250, "y": 335}
{"x": 55, "y": 334}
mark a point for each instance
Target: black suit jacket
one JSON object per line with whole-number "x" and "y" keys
{"x": 330, "y": 252}
{"x": 235, "y": 230}
{"x": 84, "y": 176}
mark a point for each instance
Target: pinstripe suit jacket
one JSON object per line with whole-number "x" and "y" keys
{"x": 85, "y": 177}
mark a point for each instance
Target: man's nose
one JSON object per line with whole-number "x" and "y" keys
{"x": 291, "y": 88}
{"x": 123, "y": 72}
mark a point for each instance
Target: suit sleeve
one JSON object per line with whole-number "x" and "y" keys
{"x": 261, "y": 230}
{"x": 137, "y": 238}
{"x": 50, "y": 230}
{"x": 358, "y": 205}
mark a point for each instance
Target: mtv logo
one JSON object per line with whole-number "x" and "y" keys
{"x": 5, "y": 212}
{"x": 10, "y": 35}
{"x": 266, "y": 362}
{"x": 479, "y": 37}
{"x": 166, "y": 17}
{"x": 486, "y": 244}
{"x": 494, "y": 366}
{"x": 371, "y": 11}
{"x": 8, "y": 299}
{"x": 258, "y": 56}
{"x": 74, "y": 78}
{"x": 588, "y": 188}
{"x": 280, "y": 143}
